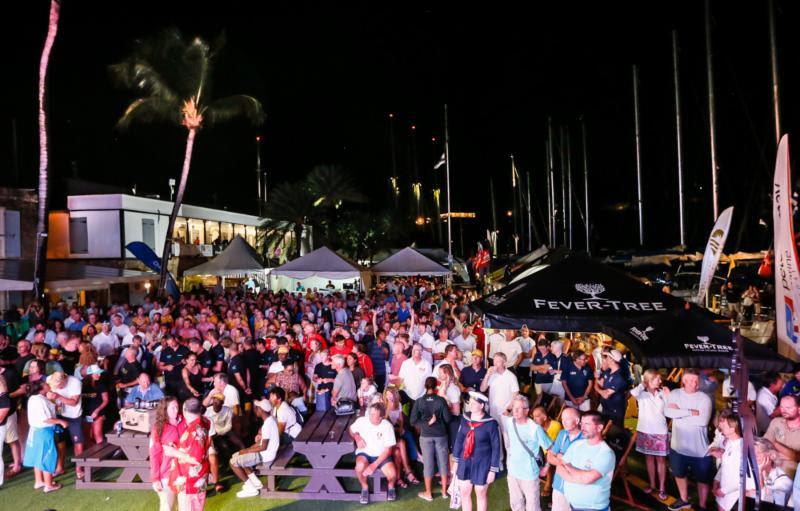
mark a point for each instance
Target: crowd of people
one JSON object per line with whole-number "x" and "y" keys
{"x": 234, "y": 375}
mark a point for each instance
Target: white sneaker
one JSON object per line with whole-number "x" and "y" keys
{"x": 254, "y": 482}
{"x": 247, "y": 491}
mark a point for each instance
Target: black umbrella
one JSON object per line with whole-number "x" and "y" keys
{"x": 582, "y": 295}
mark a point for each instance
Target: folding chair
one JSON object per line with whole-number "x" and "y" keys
{"x": 621, "y": 441}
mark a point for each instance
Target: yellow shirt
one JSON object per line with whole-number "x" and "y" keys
{"x": 552, "y": 430}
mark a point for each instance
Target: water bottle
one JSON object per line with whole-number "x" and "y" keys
{"x": 138, "y": 403}
{"x": 118, "y": 428}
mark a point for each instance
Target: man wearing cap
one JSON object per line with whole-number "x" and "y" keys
{"x": 144, "y": 391}
{"x": 612, "y": 386}
{"x": 65, "y": 392}
{"x": 472, "y": 376}
{"x": 502, "y": 386}
{"x": 264, "y": 450}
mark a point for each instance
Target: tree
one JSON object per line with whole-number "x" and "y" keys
{"x": 173, "y": 78}
{"x": 313, "y": 202}
{"x": 44, "y": 154}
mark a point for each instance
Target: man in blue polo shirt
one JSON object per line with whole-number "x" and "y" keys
{"x": 578, "y": 382}
{"x": 571, "y": 421}
{"x": 543, "y": 362}
{"x": 588, "y": 467}
{"x": 612, "y": 387}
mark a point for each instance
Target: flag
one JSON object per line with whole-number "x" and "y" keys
{"x": 787, "y": 274}
{"x": 146, "y": 255}
{"x": 441, "y": 162}
{"x": 716, "y": 242}
{"x": 513, "y": 173}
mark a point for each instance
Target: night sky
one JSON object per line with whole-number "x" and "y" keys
{"x": 329, "y": 76}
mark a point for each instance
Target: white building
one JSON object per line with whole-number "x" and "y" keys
{"x": 100, "y": 226}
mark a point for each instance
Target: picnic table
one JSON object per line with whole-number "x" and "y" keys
{"x": 324, "y": 441}
{"x": 129, "y": 451}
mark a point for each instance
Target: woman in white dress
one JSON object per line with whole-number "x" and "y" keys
{"x": 652, "y": 437}
{"x": 40, "y": 447}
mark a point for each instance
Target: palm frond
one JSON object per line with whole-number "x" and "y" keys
{"x": 149, "y": 110}
{"x": 138, "y": 75}
{"x": 233, "y": 107}
{"x": 332, "y": 185}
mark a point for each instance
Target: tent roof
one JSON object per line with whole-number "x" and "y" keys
{"x": 63, "y": 276}
{"x": 408, "y": 261}
{"x": 237, "y": 258}
{"x": 581, "y": 295}
{"x": 322, "y": 262}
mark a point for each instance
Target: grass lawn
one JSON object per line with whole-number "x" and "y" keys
{"x": 17, "y": 494}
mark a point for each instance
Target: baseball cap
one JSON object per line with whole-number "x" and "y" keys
{"x": 477, "y": 396}
{"x": 264, "y": 404}
{"x": 283, "y": 349}
{"x": 55, "y": 379}
{"x": 477, "y": 353}
{"x": 616, "y": 355}
{"x": 94, "y": 369}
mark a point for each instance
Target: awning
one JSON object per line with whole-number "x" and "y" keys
{"x": 581, "y": 295}
{"x": 409, "y": 262}
{"x": 64, "y": 276}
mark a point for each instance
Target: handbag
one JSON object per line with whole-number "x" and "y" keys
{"x": 345, "y": 407}
{"x": 539, "y": 461}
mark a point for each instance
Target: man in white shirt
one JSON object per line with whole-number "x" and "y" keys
{"x": 285, "y": 414}
{"x": 264, "y": 450}
{"x": 374, "y": 437}
{"x": 229, "y": 392}
{"x": 503, "y": 387}
{"x": 528, "y": 345}
{"x": 426, "y": 340}
{"x": 690, "y": 411}
{"x": 413, "y": 373}
{"x": 767, "y": 401}
{"x": 465, "y": 341}
{"x": 119, "y": 328}
{"x": 441, "y": 344}
{"x": 65, "y": 391}
{"x": 104, "y": 342}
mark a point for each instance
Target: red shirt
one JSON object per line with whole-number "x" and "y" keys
{"x": 160, "y": 462}
{"x": 366, "y": 364}
{"x": 194, "y": 441}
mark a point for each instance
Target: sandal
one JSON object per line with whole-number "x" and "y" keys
{"x": 662, "y": 495}
{"x": 401, "y": 483}
{"x": 55, "y": 487}
{"x": 411, "y": 478}
{"x": 425, "y": 497}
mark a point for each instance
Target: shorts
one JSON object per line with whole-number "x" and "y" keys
{"x": 247, "y": 460}
{"x": 702, "y": 468}
{"x": 371, "y": 459}
{"x": 12, "y": 432}
{"x": 74, "y": 429}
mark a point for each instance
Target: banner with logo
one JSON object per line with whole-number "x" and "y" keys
{"x": 787, "y": 275}
{"x": 146, "y": 255}
{"x": 716, "y": 242}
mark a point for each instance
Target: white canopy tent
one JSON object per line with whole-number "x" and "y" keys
{"x": 316, "y": 268}
{"x": 237, "y": 260}
{"x": 409, "y": 262}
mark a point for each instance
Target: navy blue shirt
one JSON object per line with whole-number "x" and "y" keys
{"x": 578, "y": 380}
{"x": 615, "y": 404}
{"x": 538, "y": 360}
{"x": 174, "y": 357}
{"x": 217, "y": 355}
{"x": 378, "y": 356}
{"x": 471, "y": 378}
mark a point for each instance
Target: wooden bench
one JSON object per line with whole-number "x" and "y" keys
{"x": 129, "y": 451}
{"x": 324, "y": 441}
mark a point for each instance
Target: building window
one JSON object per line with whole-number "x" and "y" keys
{"x": 212, "y": 232}
{"x": 251, "y": 235}
{"x": 180, "y": 232}
{"x": 11, "y": 234}
{"x": 238, "y": 230}
{"x": 149, "y": 232}
{"x": 78, "y": 236}
{"x": 226, "y": 232}
{"x": 197, "y": 234}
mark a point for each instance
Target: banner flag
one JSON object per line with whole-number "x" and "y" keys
{"x": 146, "y": 255}
{"x": 716, "y": 242}
{"x": 441, "y": 162}
{"x": 787, "y": 275}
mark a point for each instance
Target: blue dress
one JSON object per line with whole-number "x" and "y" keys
{"x": 485, "y": 456}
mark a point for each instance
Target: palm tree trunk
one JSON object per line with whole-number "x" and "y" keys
{"x": 187, "y": 161}
{"x": 44, "y": 158}
{"x": 298, "y": 238}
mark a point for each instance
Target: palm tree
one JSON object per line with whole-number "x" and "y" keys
{"x": 44, "y": 155}
{"x": 173, "y": 78}
{"x": 309, "y": 203}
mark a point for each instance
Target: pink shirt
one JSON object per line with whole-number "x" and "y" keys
{"x": 159, "y": 462}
